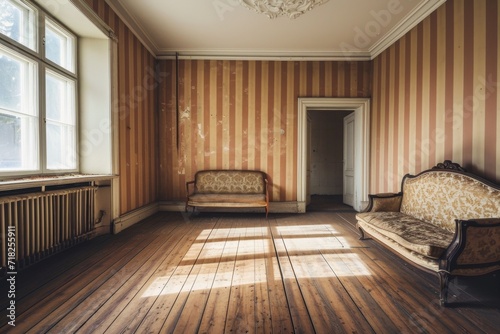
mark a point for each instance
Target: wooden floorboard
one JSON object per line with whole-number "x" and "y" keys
{"x": 242, "y": 273}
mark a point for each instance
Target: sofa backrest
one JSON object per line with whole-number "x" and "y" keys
{"x": 230, "y": 182}
{"x": 440, "y": 197}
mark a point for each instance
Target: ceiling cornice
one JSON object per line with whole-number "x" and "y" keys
{"x": 413, "y": 18}
{"x": 410, "y": 21}
{"x": 134, "y": 26}
{"x": 264, "y": 55}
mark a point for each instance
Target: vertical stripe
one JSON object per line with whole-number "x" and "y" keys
{"x": 439, "y": 135}
{"x": 225, "y": 145}
{"x": 385, "y": 115}
{"x": 259, "y": 81}
{"x": 418, "y": 101}
{"x": 468, "y": 79}
{"x": 245, "y": 119}
{"x": 423, "y": 141}
{"x": 285, "y": 93}
{"x": 235, "y": 124}
{"x": 432, "y": 91}
{"x": 408, "y": 93}
{"x": 253, "y": 96}
{"x": 394, "y": 187}
{"x": 449, "y": 77}
{"x": 400, "y": 108}
{"x": 455, "y": 115}
{"x": 479, "y": 97}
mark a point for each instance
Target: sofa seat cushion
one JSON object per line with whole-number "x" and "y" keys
{"x": 419, "y": 236}
{"x": 228, "y": 200}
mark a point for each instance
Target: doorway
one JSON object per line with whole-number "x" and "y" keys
{"x": 327, "y": 161}
{"x": 360, "y": 107}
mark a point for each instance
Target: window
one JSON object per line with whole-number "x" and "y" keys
{"x": 18, "y": 22}
{"x": 38, "y": 93}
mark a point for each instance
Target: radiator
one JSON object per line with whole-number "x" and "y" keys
{"x": 45, "y": 223}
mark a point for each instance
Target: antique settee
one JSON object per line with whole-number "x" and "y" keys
{"x": 444, "y": 220}
{"x": 228, "y": 189}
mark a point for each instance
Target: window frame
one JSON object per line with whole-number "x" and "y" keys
{"x": 43, "y": 64}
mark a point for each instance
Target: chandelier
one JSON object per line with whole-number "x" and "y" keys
{"x": 275, "y": 8}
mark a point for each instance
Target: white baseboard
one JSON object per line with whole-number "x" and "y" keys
{"x": 287, "y": 207}
{"x": 171, "y": 206}
{"x": 274, "y": 207}
{"x": 130, "y": 218}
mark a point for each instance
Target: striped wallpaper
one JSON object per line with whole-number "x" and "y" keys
{"x": 435, "y": 96}
{"x": 243, "y": 114}
{"x": 136, "y": 103}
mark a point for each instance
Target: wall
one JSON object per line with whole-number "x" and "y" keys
{"x": 435, "y": 96}
{"x": 136, "y": 105}
{"x": 243, "y": 114}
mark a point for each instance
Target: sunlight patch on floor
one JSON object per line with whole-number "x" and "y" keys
{"x": 236, "y": 254}
{"x": 306, "y": 229}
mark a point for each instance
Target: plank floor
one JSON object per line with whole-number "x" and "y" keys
{"x": 241, "y": 273}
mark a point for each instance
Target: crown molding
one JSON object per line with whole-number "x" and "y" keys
{"x": 417, "y": 15}
{"x": 133, "y": 25}
{"x": 264, "y": 55}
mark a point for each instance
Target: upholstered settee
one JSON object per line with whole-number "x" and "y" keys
{"x": 444, "y": 220}
{"x": 228, "y": 189}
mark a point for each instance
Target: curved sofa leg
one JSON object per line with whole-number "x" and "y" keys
{"x": 444, "y": 279}
{"x": 361, "y": 233}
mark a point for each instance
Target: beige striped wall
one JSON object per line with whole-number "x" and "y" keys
{"x": 136, "y": 103}
{"x": 243, "y": 114}
{"x": 435, "y": 96}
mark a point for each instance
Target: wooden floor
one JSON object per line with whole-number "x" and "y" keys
{"x": 241, "y": 273}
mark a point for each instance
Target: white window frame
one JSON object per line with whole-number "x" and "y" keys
{"x": 37, "y": 55}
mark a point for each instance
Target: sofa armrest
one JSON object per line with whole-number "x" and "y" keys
{"x": 475, "y": 248}
{"x": 266, "y": 184}
{"x": 187, "y": 188}
{"x": 386, "y": 202}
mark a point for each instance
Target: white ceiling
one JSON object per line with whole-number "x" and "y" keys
{"x": 337, "y": 29}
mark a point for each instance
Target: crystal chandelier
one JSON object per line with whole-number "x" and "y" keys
{"x": 275, "y": 8}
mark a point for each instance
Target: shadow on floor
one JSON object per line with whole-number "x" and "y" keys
{"x": 324, "y": 203}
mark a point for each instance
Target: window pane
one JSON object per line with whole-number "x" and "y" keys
{"x": 61, "y": 148}
{"x": 17, "y": 83}
{"x": 59, "y": 46}
{"x": 60, "y": 122}
{"x": 17, "y": 21}
{"x": 18, "y": 114}
{"x": 18, "y": 143}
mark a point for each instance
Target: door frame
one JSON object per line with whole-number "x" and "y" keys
{"x": 361, "y": 108}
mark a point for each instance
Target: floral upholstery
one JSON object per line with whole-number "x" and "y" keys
{"x": 386, "y": 203}
{"x": 418, "y": 236}
{"x": 482, "y": 244}
{"x": 228, "y": 189}
{"x": 423, "y": 228}
{"x": 230, "y": 182}
{"x": 448, "y": 222}
{"x": 441, "y": 197}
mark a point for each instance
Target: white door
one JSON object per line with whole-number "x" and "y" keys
{"x": 349, "y": 145}
{"x": 308, "y": 164}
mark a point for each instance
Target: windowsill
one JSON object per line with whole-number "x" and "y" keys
{"x": 49, "y": 180}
